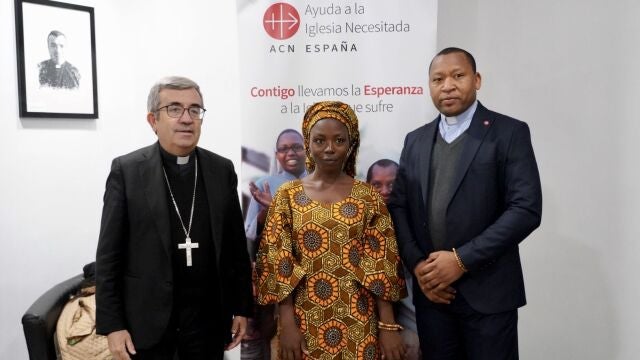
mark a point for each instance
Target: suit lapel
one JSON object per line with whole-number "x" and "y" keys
{"x": 150, "y": 171}
{"x": 214, "y": 198}
{"x": 424, "y": 157}
{"x": 479, "y": 127}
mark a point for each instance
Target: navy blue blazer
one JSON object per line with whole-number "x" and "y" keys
{"x": 134, "y": 277}
{"x": 496, "y": 203}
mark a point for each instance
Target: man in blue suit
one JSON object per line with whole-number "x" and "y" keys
{"x": 466, "y": 194}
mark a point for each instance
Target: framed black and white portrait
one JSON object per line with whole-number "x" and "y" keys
{"x": 56, "y": 60}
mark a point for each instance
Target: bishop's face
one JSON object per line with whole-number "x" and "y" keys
{"x": 178, "y": 136}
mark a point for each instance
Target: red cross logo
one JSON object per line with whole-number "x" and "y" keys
{"x": 281, "y": 21}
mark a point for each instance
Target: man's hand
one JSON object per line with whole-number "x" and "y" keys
{"x": 120, "y": 345}
{"x": 263, "y": 197}
{"x": 436, "y": 274}
{"x": 441, "y": 268}
{"x": 238, "y": 330}
{"x": 441, "y": 294}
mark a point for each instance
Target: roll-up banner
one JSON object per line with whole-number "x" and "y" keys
{"x": 372, "y": 55}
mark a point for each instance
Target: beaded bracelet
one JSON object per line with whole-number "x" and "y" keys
{"x": 390, "y": 327}
{"x": 460, "y": 263}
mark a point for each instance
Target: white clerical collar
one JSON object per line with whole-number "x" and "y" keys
{"x": 452, "y": 126}
{"x": 169, "y": 158}
{"x": 451, "y": 120}
{"x": 460, "y": 119}
{"x": 181, "y": 160}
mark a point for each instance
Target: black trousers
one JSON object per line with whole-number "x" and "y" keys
{"x": 458, "y": 332}
{"x": 193, "y": 335}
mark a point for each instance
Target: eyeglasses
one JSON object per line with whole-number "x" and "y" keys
{"x": 176, "y": 111}
{"x": 285, "y": 149}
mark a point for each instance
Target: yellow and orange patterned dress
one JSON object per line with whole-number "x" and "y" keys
{"x": 335, "y": 258}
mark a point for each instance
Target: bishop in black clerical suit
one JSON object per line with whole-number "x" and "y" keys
{"x": 172, "y": 270}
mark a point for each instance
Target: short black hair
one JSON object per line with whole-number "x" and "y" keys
{"x": 383, "y": 163}
{"x": 54, "y": 34}
{"x": 287, "y": 131}
{"x": 452, "y": 50}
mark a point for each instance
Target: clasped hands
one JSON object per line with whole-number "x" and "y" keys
{"x": 436, "y": 274}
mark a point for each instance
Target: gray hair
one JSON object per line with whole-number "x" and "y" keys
{"x": 170, "y": 82}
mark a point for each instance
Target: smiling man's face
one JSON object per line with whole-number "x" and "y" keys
{"x": 178, "y": 136}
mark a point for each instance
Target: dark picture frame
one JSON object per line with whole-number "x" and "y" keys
{"x": 56, "y": 51}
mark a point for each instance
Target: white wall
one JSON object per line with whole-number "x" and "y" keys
{"x": 53, "y": 171}
{"x": 568, "y": 68}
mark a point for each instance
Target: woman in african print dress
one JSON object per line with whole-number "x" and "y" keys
{"x": 328, "y": 252}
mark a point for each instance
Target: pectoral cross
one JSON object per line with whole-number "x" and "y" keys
{"x": 188, "y": 245}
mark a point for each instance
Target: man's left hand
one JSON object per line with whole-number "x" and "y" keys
{"x": 238, "y": 330}
{"x": 442, "y": 269}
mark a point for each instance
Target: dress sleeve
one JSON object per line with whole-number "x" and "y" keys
{"x": 278, "y": 270}
{"x": 381, "y": 268}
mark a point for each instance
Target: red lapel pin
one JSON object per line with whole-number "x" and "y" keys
{"x": 486, "y": 123}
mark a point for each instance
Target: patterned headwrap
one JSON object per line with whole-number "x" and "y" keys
{"x": 332, "y": 110}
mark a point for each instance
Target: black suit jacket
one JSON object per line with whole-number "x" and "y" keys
{"x": 496, "y": 203}
{"x": 134, "y": 277}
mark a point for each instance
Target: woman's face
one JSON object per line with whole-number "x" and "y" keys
{"x": 290, "y": 153}
{"x": 329, "y": 144}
